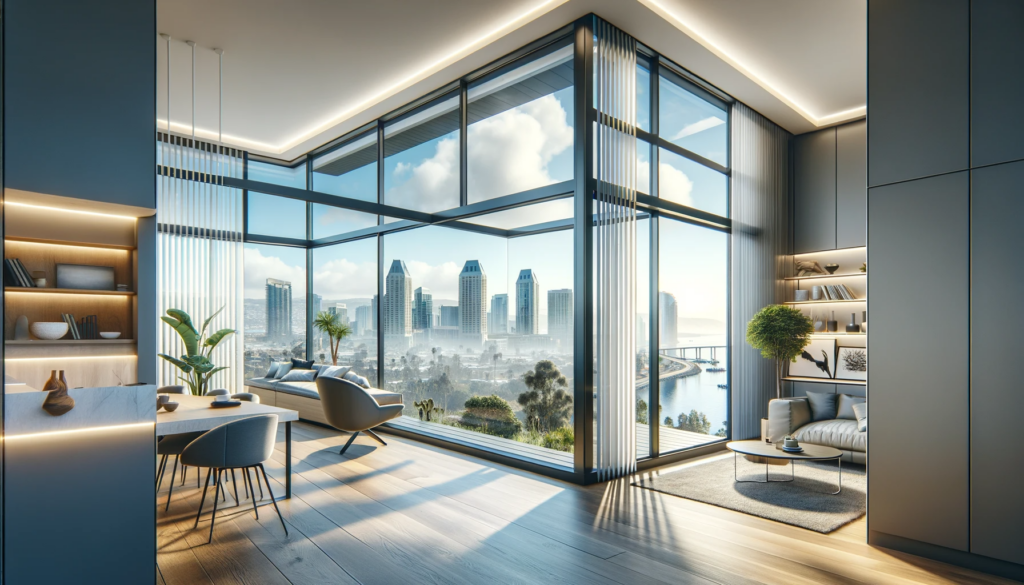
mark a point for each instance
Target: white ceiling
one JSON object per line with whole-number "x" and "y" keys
{"x": 297, "y": 74}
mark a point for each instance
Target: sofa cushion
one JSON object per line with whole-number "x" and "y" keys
{"x": 384, "y": 397}
{"x": 823, "y": 405}
{"x": 334, "y": 371}
{"x": 282, "y": 369}
{"x": 307, "y": 389}
{"x": 272, "y": 371}
{"x": 297, "y": 375}
{"x": 356, "y": 379}
{"x": 786, "y": 415}
{"x": 838, "y": 433}
{"x": 845, "y": 408}
{"x": 298, "y": 364}
{"x": 265, "y": 383}
{"x": 861, "y": 411}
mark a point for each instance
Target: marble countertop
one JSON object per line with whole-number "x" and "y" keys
{"x": 94, "y": 407}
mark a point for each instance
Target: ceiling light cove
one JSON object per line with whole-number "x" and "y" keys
{"x": 824, "y": 120}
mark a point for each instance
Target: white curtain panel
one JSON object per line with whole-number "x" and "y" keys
{"x": 615, "y": 253}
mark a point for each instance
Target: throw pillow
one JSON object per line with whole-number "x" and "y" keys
{"x": 823, "y": 405}
{"x": 298, "y": 364}
{"x": 282, "y": 369}
{"x": 272, "y": 372}
{"x": 356, "y": 379}
{"x": 861, "y": 410}
{"x": 297, "y": 375}
{"x": 334, "y": 371}
{"x": 846, "y": 403}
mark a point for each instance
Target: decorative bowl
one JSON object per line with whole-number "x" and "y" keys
{"x": 49, "y": 330}
{"x": 110, "y": 334}
{"x": 831, "y": 268}
{"x": 170, "y": 406}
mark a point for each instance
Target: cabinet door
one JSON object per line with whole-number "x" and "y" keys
{"x": 997, "y": 403}
{"x": 814, "y": 191}
{"x": 851, "y": 185}
{"x": 918, "y": 291}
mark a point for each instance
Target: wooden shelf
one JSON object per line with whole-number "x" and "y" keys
{"x": 825, "y": 381}
{"x": 815, "y": 276}
{"x": 833, "y": 333}
{"x": 68, "y": 291}
{"x": 825, "y": 302}
{"x": 67, "y": 243}
{"x": 52, "y": 342}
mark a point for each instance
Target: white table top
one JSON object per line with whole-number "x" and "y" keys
{"x": 762, "y": 449}
{"x": 194, "y": 413}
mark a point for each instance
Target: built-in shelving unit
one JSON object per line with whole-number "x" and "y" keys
{"x": 826, "y": 302}
{"x": 816, "y": 276}
{"x": 68, "y": 291}
{"x": 825, "y": 381}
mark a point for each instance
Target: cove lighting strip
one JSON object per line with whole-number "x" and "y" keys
{"x": 71, "y": 357}
{"x": 65, "y": 210}
{"x": 75, "y": 431}
{"x": 679, "y": 23}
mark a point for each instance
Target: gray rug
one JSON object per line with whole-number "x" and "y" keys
{"x": 807, "y": 502}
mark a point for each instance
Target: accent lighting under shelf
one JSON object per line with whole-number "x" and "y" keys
{"x": 68, "y": 291}
{"x": 825, "y": 381}
{"x": 826, "y": 301}
{"x": 51, "y": 342}
{"x": 814, "y": 276}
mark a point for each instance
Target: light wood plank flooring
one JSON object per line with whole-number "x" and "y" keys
{"x": 412, "y": 513}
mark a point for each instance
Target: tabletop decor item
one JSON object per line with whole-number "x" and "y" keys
{"x": 21, "y": 328}
{"x": 52, "y": 383}
{"x": 49, "y": 330}
{"x": 84, "y": 277}
{"x": 57, "y": 402}
{"x": 195, "y": 363}
{"x": 170, "y": 406}
{"x": 781, "y": 333}
{"x": 110, "y": 334}
{"x": 852, "y": 326}
{"x": 831, "y": 268}
{"x": 800, "y": 295}
{"x": 39, "y": 278}
{"x": 819, "y": 323}
{"x": 864, "y": 267}
{"x": 805, "y": 267}
{"x": 832, "y": 326}
{"x": 162, "y": 400}
{"x": 816, "y": 293}
{"x": 864, "y": 322}
{"x": 225, "y": 403}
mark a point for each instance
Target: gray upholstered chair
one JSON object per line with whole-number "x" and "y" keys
{"x": 349, "y": 407}
{"x": 247, "y": 397}
{"x": 171, "y": 390}
{"x": 241, "y": 444}
{"x": 217, "y": 392}
{"x": 172, "y": 446}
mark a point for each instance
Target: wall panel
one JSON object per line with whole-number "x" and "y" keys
{"x": 814, "y": 191}
{"x": 997, "y": 86}
{"x": 851, "y": 185}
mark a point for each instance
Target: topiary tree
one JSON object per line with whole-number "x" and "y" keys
{"x": 492, "y": 415}
{"x": 546, "y": 403}
{"x": 780, "y": 333}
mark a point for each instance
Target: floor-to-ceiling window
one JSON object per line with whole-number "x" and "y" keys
{"x": 345, "y": 283}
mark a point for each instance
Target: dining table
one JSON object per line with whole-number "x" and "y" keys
{"x": 195, "y": 413}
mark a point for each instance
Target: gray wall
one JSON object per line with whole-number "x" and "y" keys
{"x": 946, "y": 443}
{"x": 80, "y": 99}
{"x": 829, "y": 188}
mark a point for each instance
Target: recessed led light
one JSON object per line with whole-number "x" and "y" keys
{"x": 65, "y": 210}
{"x": 73, "y": 431}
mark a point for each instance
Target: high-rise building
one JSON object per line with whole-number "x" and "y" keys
{"x": 560, "y": 315}
{"x": 668, "y": 320}
{"x": 642, "y": 334}
{"x": 499, "y": 314}
{"x": 398, "y": 300}
{"x": 363, "y": 319}
{"x": 341, "y": 310}
{"x": 279, "y": 308}
{"x": 318, "y": 303}
{"x": 449, "y": 316}
{"x": 422, "y": 309}
{"x": 473, "y": 301}
{"x": 374, "y": 313}
{"x": 527, "y": 303}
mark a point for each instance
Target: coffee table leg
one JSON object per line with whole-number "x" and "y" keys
{"x": 735, "y": 476}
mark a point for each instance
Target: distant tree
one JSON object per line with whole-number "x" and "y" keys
{"x": 695, "y": 422}
{"x": 668, "y": 421}
{"x": 641, "y": 411}
{"x": 546, "y": 403}
{"x": 492, "y": 415}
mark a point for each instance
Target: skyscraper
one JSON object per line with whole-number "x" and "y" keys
{"x": 341, "y": 310}
{"x": 642, "y": 334}
{"x": 374, "y": 313}
{"x": 473, "y": 301}
{"x": 422, "y": 309}
{"x": 668, "y": 320}
{"x": 364, "y": 319}
{"x": 449, "y": 316}
{"x": 279, "y": 308}
{"x": 527, "y": 303}
{"x": 318, "y": 303}
{"x": 499, "y": 314}
{"x": 398, "y": 300}
{"x": 560, "y": 315}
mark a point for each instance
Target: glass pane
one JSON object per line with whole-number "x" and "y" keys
{"x": 281, "y": 217}
{"x": 643, "y": 167}
{"x": 692, "y": 184}
{"x": 520, "y": 126}
{"x": 693, "y": 123}
{"x": 521, "y": 217}
{"x": 643, "y": 97}
{"x": 643, "y": 320}
{"x": 421, "y": 164}
{"x": 277, "y": 174}
{"x": 345, "y": 283}
{"x": 332, "y": 221}
{"x": 350, "y": 171}
{"x": 693, "y": 313}
{"x": 275, "y": 306}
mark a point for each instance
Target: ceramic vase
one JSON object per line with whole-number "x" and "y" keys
{"x": 53, "y": 383}
{"x": 832, "y": 326}
{"x": 815, "y": 293}
{"x": 852, "y": 326}
{"x": 57, "y": 401}
{"x": 800, "y": 295}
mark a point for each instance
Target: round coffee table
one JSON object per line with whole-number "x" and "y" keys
{"x": 769, "y": 451}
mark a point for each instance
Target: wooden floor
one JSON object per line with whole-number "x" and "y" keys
{"x": 410, "y": 513}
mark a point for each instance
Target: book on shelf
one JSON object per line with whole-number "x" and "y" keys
{"x": 72, "y": 325}
{"x": 18, "y": 275}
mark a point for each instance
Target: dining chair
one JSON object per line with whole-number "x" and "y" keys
{"x": 349, "y": 407}
{"x": 242, "y": 444}
{"x": 172, "y": 445}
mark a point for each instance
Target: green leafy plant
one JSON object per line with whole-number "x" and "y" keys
{"x": 329, "y": 324}
{"x": 493, "y": 415}
{"x": 546, "y": 403}
{"x": 780, "y": 333}
{"x": 195, "y": 363}
{"x": 427, "y": 410}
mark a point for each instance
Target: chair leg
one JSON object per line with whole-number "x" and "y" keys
{"x": 245, "y": 484}
{"x": 202, "y": 499}
{"x": 375, "y": 436}
{"x": 271, "y": 492}
{"x": 160, "y": 474}
{"x": 350, "y": 439}
{"x": 170, "y": 488}
{"x": 254, "y": 507}
{"x": 213, "y": 517}
{"x": 184, "y": 471}
{"x": 258, "y": 484}
{"x": 234, "y": 485}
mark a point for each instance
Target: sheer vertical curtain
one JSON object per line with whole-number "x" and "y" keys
{"x": 615, "y": 253}
{"x": 760, "y": 215}
{"x": 200, "y": 249}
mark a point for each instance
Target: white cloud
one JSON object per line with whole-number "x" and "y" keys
{"x": 442, "y": 280}
{"x": 698, "y": 126}
{"x": 258, "y": 268}
{"x": 674, "y": 185}
{"x": 343, "y": 279}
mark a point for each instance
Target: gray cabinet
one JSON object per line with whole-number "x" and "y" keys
{"x": 919, "y": 404}
{"x": 814, "y": 191}
{"x": 851, "y": 185}
{"x": 918, "y": 88}
{"x": 997, "y": 403}
{"x": 997, "y": 87}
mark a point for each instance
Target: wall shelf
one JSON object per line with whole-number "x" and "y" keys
{"x": 68, "y": 291}
{"x": 67, "y": 243}
{"x": 825, "y": 302}
{"x": 825, "y": 381}
{"x": 816, "y": 276}
{"x": 53, "y": 342}
{"x": 835, "y": 333}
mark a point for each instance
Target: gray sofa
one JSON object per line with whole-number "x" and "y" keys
{"x": 304, "y": 397}
{"x": 793, "y": 416}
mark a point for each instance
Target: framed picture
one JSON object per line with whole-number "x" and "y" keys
{"x": 80, "y": 276}
{"x": 852, "y": 363}
{"x": 817, "y": 360}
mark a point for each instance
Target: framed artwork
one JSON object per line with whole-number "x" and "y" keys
{"x": 817, "y": 360}
{"x": 852, "y": 363}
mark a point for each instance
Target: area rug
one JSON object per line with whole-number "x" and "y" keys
{"x": 806, "y": 502}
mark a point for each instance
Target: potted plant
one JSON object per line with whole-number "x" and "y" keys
{"x": 781, "y": 333}
{"x": 329, "y": 324}
{"x": 195, "y": 364}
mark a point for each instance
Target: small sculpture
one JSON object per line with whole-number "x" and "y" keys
{"x": 57, "y": 401}
{"x": 831, "y": 268}
{"x": 805, "y": 267}
{"x": 864, "y": 267}
{"x": 21, "y": 328}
